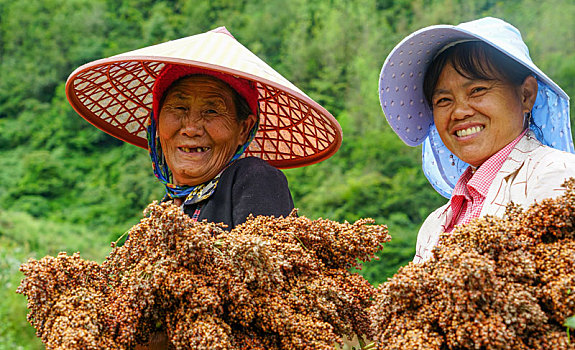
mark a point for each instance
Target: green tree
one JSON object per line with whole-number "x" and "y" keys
{"x": 65, "y": 185}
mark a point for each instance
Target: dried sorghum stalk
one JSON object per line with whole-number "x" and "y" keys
{"x": 271, "y": 283}
{"x": 496, "y": 283}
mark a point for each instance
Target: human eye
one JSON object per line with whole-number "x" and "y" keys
{"x": 211, "y": 112}
{"x": 171, "y": 109}
{"x": 478, "y": 89}
{"x": 214, "y": 108}
{"x": 441, "y": 101}
{"x": 175, "y": 105}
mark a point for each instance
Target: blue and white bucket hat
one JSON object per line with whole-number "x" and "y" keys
{"x": 406, "y": 109}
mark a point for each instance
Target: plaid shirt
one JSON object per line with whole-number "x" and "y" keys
{"x": 472, "y": 187}
{"x": 531, "y": 172}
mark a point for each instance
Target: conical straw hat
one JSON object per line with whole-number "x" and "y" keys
{"x": 115, "y": 95}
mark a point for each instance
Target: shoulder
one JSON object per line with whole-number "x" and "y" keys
{"x": 253, "y": 167}
{"x": 548, "y": 161}
{"x": 530, "y": 156}
{"x": 553, "y": 163}
{"x": 542, "y": 175}
{"x": 258, "y": 188}
{"x": 534, "y": 150}
{"x": 254, "y": 175}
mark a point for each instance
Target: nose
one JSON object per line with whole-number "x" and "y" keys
{"x": 192, "y": 125}
{"x": 462, "y": 109}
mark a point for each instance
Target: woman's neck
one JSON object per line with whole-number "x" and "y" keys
{"x": 179, "y": 201}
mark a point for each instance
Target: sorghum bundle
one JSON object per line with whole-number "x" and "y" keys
{"x": 496, "y": 283}
{"x": 271, "y": 283}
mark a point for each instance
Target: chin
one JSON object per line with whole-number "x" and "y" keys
{"x": 473, "y": 161}
{"x": 196, "y": 179}
{"x": 186, "y": 180}
{"x": 471, "y": 156}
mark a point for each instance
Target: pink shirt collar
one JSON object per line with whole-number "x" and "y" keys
{"x": 484, "y": 175}
{"x": 472, "y": 187}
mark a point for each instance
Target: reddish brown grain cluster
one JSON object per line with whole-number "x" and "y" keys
{"x": 494, "y": 284}
{"x": 268, "y": 284}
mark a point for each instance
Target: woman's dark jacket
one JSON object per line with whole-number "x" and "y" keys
{"x": 249, "y": 186}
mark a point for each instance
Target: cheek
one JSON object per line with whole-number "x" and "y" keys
{"x": 440, "y": 121}
{"x": 164, "y": 137}
{"x": 167, "y": 128}
{"x": 515, "y": 126}
{"x": 224, "y": 132}
{"x": 510, "y": 118}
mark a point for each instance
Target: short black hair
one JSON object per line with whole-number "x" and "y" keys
{"x": 474, "y": 60}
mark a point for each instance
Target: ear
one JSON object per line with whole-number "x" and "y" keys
{"x": 529, "y": 93}
{"x": 246, "y": 126}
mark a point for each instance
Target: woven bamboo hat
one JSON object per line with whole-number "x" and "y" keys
{"x": 115, "y": 95}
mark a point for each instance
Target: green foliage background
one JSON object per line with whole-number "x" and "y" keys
{"x": 66, "y": 186}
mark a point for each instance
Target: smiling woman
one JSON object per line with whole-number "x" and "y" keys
{"x": 494, "y": 128}
{"x": 199, "y": 128}
{"x": 477, "y": 110}
{"x": 203, "y": 127}
{"x": 216, "y": 120}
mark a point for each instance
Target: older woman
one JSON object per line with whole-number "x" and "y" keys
{"x": 216, "y": 119}
{"x": 203, "y": 126}
{"x": 495, "y": 129}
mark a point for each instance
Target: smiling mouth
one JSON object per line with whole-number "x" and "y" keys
{"x": 194, "y": 149}
{"x": 469, "y": 131}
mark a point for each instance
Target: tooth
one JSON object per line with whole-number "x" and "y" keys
{"x": 469, "y": 131}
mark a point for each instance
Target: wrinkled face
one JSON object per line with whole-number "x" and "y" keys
{"x": 198, "y": 128}
{"x": 477, "y": 118}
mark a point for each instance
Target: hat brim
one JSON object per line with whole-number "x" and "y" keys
{"x": 115, "y": 95}
{"x": 401, "y": 78}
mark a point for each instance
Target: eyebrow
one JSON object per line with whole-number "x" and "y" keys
{"x": 177, "y": 94}
{"x": 210, "y": 98}
{"x": 439, "y": 92}
{"x": 465, "y": 85}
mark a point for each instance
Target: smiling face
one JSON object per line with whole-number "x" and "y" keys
{"x": 198, "y": 128}
{"x": 476, "y": 118}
